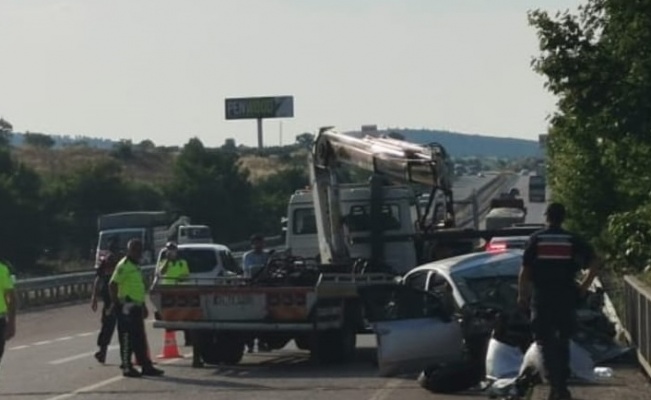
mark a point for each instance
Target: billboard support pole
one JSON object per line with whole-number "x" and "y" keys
{"x": 259, "y": 133}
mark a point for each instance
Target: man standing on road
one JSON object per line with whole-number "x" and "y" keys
{"x": 547, "y": 282}
{"x": 7, "y": 306}
{"x": 127, "y": 288}
{"x": 252, "y": 262}
{"x": 101, "y": 287}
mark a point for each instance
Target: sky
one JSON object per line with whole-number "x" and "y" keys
{"x": 161, "y": 69}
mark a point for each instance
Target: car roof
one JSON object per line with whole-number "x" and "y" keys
{"x": 468, "y": 261}
{"x": 214, "y": 246}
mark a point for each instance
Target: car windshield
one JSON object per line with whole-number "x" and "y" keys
{"x": 493, "y": 284}
{"x": 199, "y": 260}
{"x": 122, "y": 237}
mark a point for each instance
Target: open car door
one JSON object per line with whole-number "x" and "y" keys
{"x": 413, "y": 330}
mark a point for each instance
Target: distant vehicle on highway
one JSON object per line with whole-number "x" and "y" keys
{"x": 537, "y": 189}
{"x": 480, "y": 174}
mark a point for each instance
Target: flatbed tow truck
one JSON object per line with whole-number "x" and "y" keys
{"x": 365, "y": 247}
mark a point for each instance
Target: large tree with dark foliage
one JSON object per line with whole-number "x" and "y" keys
{"x": 597, "y": 62}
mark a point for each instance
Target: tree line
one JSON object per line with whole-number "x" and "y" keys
{"x": 55, "y": 217}
{"x": 597, "y": 62}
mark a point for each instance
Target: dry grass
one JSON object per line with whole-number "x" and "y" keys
{"x": 152, "y": 167}
{"x": 261, "y": 167}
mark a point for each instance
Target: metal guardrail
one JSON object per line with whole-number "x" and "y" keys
{"x": 76, "y": 286}
{"x": 637, "y": 319}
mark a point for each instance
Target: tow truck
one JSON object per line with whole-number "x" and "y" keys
{"x": 365, "y": 245}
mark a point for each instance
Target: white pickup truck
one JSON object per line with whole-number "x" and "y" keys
{"x": 206, "y": 261}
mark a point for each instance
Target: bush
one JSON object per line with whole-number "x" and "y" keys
{"x": 627, "y": 237}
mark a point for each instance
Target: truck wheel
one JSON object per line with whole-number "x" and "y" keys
{"x": 221, "y": 348}
{"x": 335, "y": 346}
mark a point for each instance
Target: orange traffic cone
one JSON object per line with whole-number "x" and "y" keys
{"x": 170, "y": 349}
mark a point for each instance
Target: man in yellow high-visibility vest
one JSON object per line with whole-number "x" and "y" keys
{"x": 174, "y": 269}
{"x": 7, "y": 306}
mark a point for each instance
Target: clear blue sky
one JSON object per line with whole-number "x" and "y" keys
{"x": 160, "y": 69}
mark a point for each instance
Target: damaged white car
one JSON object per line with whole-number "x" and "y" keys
{"x": 447, "y": 312}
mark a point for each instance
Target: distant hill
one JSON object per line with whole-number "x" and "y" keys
{"x": 457, "y": 144}
{"x": 467, "y": 145}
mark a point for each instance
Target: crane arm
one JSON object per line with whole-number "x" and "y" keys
{"x": 395, "y": 160}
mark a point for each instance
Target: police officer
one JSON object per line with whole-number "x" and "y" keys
{"x": 173, "y": 269}
{"x": 127, "y": 289}
{"x": 7, "y": 306}
{"x": 547, "y": 283}
{"x": 101, "y": 288}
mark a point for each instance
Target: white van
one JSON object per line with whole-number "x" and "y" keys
{"x": 206, "y": 261}
{"x": 399, "y": 215}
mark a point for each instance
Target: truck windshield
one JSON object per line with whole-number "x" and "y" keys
{"x": 122, "y": 237}
{"x": 199, "y": 260}
{"x": 359, "y": 218}
{"x": 537, "y": 181}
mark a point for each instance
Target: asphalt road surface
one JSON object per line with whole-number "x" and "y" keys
{"x": 51, "y": 359}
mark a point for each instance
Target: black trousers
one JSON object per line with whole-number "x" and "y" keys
{"x": 553, "y": 325}
{"x": 109, "y": 321}
{"x": 3, "y": 328}
{"x": 132, "y": 328}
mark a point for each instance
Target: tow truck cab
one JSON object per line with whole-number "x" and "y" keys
{"x": 399, "y": 215}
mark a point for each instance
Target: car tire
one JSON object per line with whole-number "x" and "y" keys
{"x": 220, "y": 348}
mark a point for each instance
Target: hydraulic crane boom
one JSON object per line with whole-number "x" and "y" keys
{"x": 393, "y": 160}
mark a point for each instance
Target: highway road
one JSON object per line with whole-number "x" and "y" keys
{"x": 51, "y": 359}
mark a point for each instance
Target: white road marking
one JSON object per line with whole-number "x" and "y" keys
{"x": 63, "y": 339}
{"x": 85, "y": 334}
{"x": 78, "y": 356}
{"x": 43, "y": 342}
{"x": 95, "y": 386}
{"x": 19, "y": 347}
{"x": 387, "y": 389}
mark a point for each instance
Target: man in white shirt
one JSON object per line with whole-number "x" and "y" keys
{"x": 256, "y": 258}
{"x": 252, "y": 262}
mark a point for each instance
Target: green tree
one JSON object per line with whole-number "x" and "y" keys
{"x": 209, "y": 187}
{"x": 305, "y": 140}
{"x": 597, "y": 63}
{"x": 272, "y": 197}
{"x": 39, "y": 140}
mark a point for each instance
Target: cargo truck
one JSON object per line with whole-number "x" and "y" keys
{"x": 153, "y": 228}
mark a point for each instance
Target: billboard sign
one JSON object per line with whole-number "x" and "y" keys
{"x": 260, "y": 107}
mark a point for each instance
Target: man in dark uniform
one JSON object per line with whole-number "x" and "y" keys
{"x": 104, "y": 272}
{"x": 127, "y": 289}
{"x": 547, "y": 283}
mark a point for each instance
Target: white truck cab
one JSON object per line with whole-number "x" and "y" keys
{"x": 206, "y": 261}
{"x": 399, "y": 215}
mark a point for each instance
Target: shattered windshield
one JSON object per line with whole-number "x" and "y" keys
{"x": 492, "y": 284}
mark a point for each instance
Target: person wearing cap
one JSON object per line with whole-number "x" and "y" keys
{"x": 173, "y": 270}
{"x": 7, "y": 306}
{"x": 103, "y": 272}
{"x": 127, "y": 289}
{"x": 547, "y": 285}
